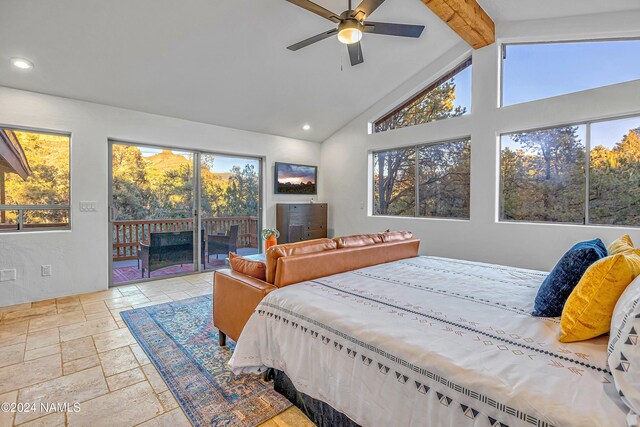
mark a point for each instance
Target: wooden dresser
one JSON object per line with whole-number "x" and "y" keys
{"x": 301, "y": 221}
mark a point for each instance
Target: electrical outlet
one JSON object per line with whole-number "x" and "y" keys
{"x": 7, "y": 275}
{"x": 46, "y": 270}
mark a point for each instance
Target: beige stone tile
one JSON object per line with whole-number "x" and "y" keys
{"x": 6, "y": 418}
{"x": 100, "y": 295}
{"x": 43, "y": 338}
{"x": 140, "y": 355}
{"x": 31, "y": 313}
{"x": 41, "y": 352}
{"x": 168, "y": 401}
{"x": 44, "y": 303}
{"x": 118, "y": 360}
{"x": 126, "y": 301}
{"x": 11, "y": 354}
{"x": 292, "y": 417}
{"x": 129, "y": 290}
{"x": 73, "y": 299}
{"x": 176, "y": 296}
{"x": 113, "y": 339}
{"x": 27, "y": 373}
{"x": 199, "y": 292}
{"x": 57, "y": 419}
{"x": 155, "y": 379}
{"x": 95, "y": 307}
{"x": 131, "y": 405}
{"x": 124, "y": 379}
{"x": 80, "y": 364}
{"x": 18, "y": 339}
{"x": 175, "y": 418}
{"x": 79, "y": 348}
{"x": 78, "y": 387}
{"x": 84, "y": 329}
{"x": 70, "y": 309}
{"x": 16, "y": 307}
{"x": 102, "y": 315}
{"x": 10, "y": 330}
{"x": 48, "y": 322}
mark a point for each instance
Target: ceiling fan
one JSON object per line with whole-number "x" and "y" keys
{"x": 351, "y": 25}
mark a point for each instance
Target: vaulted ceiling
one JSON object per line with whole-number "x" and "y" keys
{"x": 224, "y": 62}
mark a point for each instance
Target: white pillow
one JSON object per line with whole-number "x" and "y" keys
{"x": 624, "y": 348}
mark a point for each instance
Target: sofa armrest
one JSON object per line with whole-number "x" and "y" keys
{"x": 235, "y": 297}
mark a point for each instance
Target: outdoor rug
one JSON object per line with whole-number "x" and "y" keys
{"x": 182, "y": 343}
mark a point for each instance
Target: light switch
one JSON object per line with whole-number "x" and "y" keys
{"x": 88, "y": 206}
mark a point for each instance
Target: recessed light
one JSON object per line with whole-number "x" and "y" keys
{"x": 23, "y": 64}
{"x": 306, "y": 127}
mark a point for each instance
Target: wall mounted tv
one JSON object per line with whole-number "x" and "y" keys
{"x": 296, "y": 179}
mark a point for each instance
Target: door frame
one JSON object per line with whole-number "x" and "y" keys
{"x": 196, "y": 208}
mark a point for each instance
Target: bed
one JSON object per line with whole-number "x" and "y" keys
{"x": 430, "y": 341}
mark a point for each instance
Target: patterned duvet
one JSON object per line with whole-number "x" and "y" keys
{"x": 431, "y": 342}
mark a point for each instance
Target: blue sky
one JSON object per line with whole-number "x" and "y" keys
{"x": 538, "y": 71}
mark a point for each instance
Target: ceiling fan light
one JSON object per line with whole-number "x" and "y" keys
{"x": 350, "y": 31}
{"x": 350, "y": 36}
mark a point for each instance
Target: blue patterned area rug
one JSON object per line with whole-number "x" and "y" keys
{"x": 182, "y": 343}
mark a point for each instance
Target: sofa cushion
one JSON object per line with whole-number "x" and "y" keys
{"x": 257, "y": 269}
{"x": 564, "y": 277}
{"x": 589, "y": 309}
{"x": 396, "y": 236}
{"x": 620, "y": 245}
{"x": 298, "y": 248}
{"x": 357, "y": 240}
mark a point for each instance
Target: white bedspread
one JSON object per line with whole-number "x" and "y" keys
{"x": 431, "y": 342}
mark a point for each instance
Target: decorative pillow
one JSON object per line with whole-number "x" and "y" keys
{"x": 589, "y": 309}
{"x": 257, "y": 269}
{"x": 620, "y": 245}
{"x": 298, "y": 248}
{"x": 557, "y": 287}
{"x": 357, "y": 240}
{"x": 396, "y": 236}
{"x": 624, "y": 349}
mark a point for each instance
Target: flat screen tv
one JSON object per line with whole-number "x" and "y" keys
{"x": 296, "y": 179}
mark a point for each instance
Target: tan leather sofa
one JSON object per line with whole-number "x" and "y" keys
{"x": 236, "y": 295}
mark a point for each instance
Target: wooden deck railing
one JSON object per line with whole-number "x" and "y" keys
{"x": 127, "y": 234}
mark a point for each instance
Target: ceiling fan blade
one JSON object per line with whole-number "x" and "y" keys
{"x": 365, "y": 9}
{"x": 355, "y": 53}
{"x": 402, "y": 30}
{"x": 311, "y": 40}
{"x": 317, "y": 9}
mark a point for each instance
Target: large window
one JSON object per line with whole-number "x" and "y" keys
{"x": 544, "y": 70}
{"x": 437, "y": 174}
{"x": 583, "y": 174}
{"x": 34, "y": 180}
{"x": 449, "y": 96}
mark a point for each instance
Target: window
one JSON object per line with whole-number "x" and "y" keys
{"x": 545, "y": 174}
{"x": 34, "y": 180}
{"x": 441, "y": 176}
{"x": 544, "y": 70}
{"x": 449, "y": 96}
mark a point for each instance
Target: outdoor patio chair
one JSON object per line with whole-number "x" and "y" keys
{"x": 223, "y": 243}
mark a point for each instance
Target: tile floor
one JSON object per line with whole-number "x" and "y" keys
{"x": 78, "y": 349}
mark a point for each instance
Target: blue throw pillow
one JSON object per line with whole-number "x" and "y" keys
{"x": 559, "y": 284}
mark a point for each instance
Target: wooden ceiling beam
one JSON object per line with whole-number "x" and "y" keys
{"x": 467, "y": 18}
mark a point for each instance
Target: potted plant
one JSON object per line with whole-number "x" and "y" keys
{"x": 270, "y": 236}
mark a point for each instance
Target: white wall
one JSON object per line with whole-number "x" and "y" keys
{"x": 79, "y": 257}
{"x": 345, "y": 160}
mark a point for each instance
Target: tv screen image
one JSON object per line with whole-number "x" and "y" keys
{"x": 296, "y": 179}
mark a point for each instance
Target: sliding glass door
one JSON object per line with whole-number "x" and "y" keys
{"x": 176, "y": 211}
{"x": 230, "y": 206}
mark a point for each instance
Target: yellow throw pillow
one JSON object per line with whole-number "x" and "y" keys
{"x": 620, "y": 245}
{"x": 588, "y": 311}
